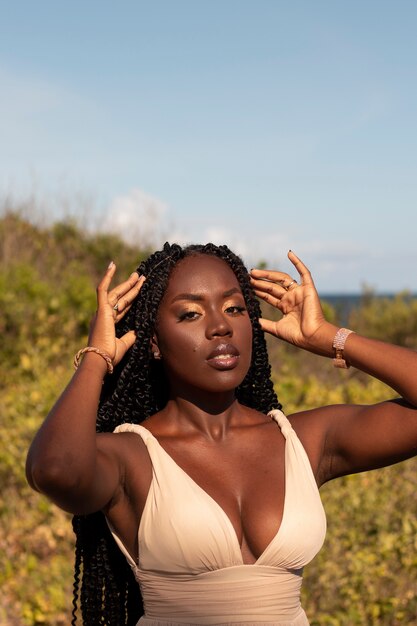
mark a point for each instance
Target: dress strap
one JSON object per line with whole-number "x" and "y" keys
{"x": 143, "y": 432}
{"x": 282, "y": 421}
{"x": 160, "y": 459}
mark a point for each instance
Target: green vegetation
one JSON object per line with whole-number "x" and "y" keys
{"x": 367, "y": 572}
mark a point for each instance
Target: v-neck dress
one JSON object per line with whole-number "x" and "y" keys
{"x": 190, "y": 567}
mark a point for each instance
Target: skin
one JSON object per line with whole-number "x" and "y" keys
{"x": 234, "y": 453}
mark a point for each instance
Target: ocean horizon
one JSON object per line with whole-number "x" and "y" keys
{"x": 345, "y": 303}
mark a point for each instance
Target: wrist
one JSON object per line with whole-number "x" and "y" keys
{"x": 322, "y": 341}
{"x": 94, "y": 362}
{"x": 96, "y": 356}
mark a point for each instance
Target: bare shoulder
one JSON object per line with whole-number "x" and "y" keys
{"x": 310, "y": 423}
{"x": 125, "y": 508}
{"x": 350, "y": 438}
{"x": 121, "y": 442}
{"x": 128, "y": 450}
{"x": 304, "y": 421}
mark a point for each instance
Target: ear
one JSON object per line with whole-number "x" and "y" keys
{"x": 156, "y": 353}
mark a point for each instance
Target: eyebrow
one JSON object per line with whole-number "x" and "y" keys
{"x": 195, "y": 297}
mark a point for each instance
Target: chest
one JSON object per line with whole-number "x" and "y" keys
{"x": 245, "y": 477}
{"x": 203, "y": 506}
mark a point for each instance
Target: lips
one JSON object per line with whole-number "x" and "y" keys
{"x": 225, "y": 356}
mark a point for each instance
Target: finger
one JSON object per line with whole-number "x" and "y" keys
{"x": 128, "y": 339}
{"x": 267, "y": 286}
{"x": 268, "y": 298}
{"x": 301, "y": 268}
{"x": 123, "y": 295}
{"x": 270, "y": 275}
{"x": 120, "y": 314}
{"x": 292, "y": 285}
{"x": 281, "y": 284}
{"x": 268, "y": 326}
{"x": 104, "y": 284}
{"x": 120, "y": 290}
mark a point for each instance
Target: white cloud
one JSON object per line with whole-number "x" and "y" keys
{"x": 337, "y": 266}
{"x": 137, "y": 217}
{"x": 253, "y": 246}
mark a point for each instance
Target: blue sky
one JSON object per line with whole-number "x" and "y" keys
{"x": 263, "y": 124}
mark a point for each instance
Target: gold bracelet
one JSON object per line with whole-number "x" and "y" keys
{"x": 338, "y": 346}
{"x": 106, "y": 357}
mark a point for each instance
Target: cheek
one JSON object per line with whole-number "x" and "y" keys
{"x": 177, "y": 341}
{"x": 183, "y": 356}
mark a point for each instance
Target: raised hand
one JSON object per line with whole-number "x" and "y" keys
{"x": 297, "y": 300}
{"x": 112, "y": 306}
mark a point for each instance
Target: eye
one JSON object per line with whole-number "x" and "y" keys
{"x": 188, "y": 315}
{"x": 236, "y": 309}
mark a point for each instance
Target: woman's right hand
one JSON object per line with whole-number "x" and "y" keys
{"x": 69, "y": 463}
{"x": 112, "y": 306}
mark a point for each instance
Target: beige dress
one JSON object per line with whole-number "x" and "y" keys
{"x": 190, "y": 568}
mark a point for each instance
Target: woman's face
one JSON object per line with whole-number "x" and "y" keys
{"x": 203, "y": 330}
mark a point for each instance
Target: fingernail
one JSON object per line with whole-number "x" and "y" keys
{"x": 110, "y": 265}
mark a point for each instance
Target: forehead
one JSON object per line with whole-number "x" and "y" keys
{"x": 200, "y": 273}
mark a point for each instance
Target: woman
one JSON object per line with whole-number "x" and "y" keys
{"x": 214, "y": 502}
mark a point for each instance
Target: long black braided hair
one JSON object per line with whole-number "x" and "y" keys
{"x": 104, "y": 586}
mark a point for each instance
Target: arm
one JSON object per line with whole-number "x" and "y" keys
{"x": 350, "y": 438}
{"x": 78, "y": 469}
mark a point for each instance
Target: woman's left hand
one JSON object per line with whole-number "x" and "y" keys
{"x": 303, "y": 323}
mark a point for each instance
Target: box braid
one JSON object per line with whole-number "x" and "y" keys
{"x": 104, "y": 586}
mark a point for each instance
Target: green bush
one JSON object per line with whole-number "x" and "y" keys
{"x": 367, "y": 572}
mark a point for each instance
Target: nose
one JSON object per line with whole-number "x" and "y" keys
{"x": 218, "y": 325}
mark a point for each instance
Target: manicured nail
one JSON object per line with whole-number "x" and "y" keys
{"x": 110, "y": 265}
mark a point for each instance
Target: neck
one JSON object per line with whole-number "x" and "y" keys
{"x": 211, "y": 416}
